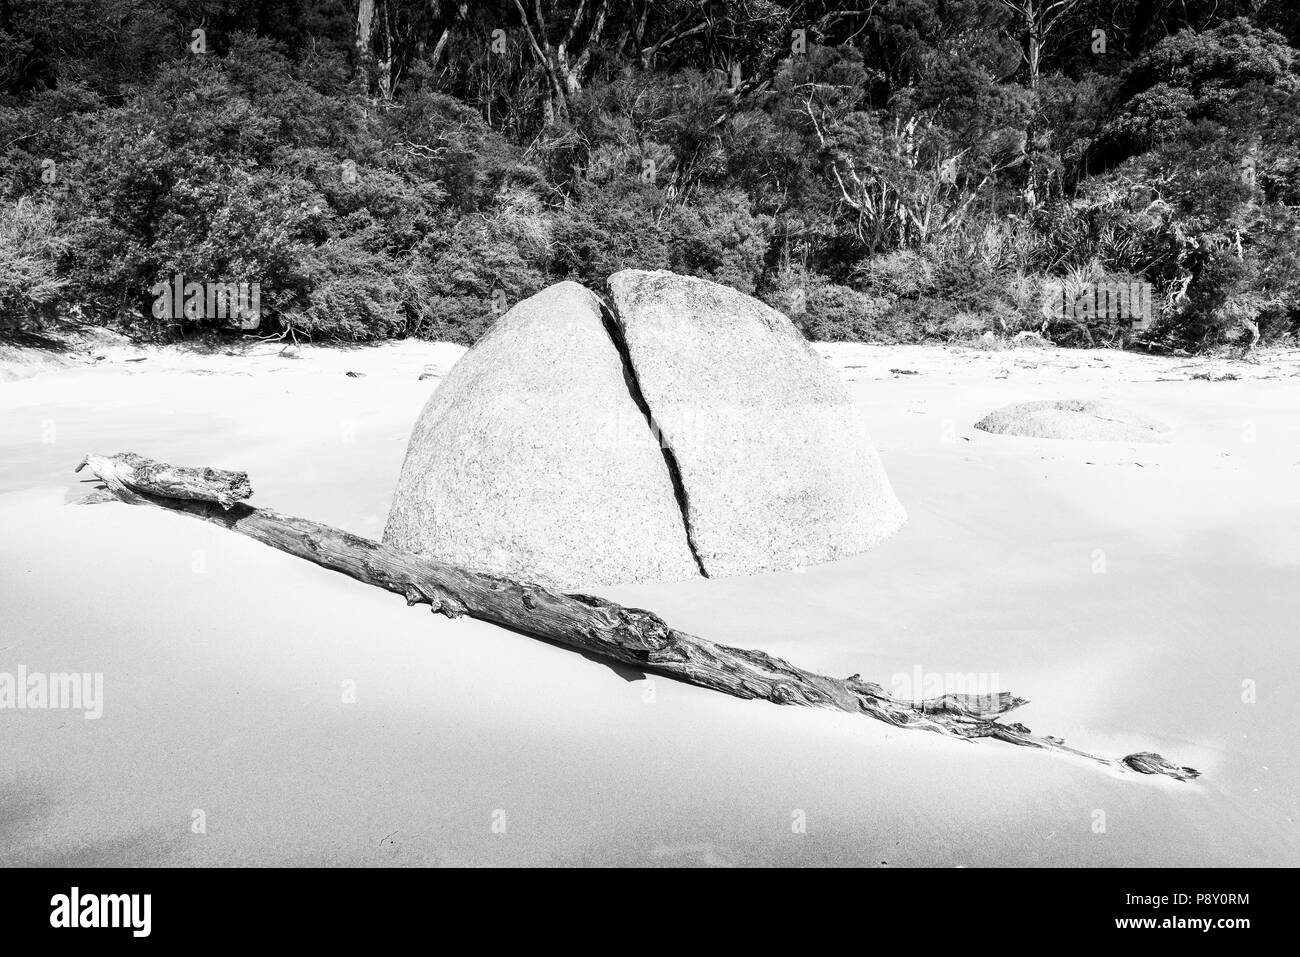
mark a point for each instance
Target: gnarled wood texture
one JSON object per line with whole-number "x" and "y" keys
{"x": 590, "y": 624}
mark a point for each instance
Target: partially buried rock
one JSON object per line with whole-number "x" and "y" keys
{"x": 532, "y": 460}
{"x": 1074, "y": 419}
{"x": 776, "y": 467}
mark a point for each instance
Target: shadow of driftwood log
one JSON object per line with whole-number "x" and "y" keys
{"x": 616, "y": 634}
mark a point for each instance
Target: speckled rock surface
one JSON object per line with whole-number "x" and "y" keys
{"x": 1074, "y": 419}
{"x": 776, "y": 465}
{"x": 532, "y": 459}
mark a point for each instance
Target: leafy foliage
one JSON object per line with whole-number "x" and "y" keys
{"x": 886, "y": 171}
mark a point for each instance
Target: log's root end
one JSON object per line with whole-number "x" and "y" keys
{"x": 127, "y": 471}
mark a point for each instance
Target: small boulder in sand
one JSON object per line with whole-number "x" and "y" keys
{"x": 1074, "y": 419}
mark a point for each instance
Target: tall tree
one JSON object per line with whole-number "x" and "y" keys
{"x": 1037, "y": 19}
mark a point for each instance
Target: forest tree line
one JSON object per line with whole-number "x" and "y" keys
{"x": 890, "y": 170}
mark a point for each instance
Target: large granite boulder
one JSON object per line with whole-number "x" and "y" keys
{"x": 776, "y": 467}
{"x": 532, "y": 459}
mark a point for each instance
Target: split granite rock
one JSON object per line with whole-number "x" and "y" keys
{"x": 689, "y": 430}
{"x": 532, "y": 459}
{"x": 777, "y": 469}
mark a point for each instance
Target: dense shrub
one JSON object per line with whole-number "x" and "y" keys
{"x": 30, "y": 246}
{"x": 826, "y": 311}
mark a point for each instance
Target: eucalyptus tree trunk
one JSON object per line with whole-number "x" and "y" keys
{"x": 361, "y": 43}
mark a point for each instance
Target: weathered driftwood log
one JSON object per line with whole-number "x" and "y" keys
{"x": 172, "y": 481}
{"x": 632, "y": 636}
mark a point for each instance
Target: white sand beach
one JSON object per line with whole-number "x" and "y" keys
{"x": 1141, "y": 596}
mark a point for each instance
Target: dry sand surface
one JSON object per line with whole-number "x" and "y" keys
{"x": 1127, "y": 590}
